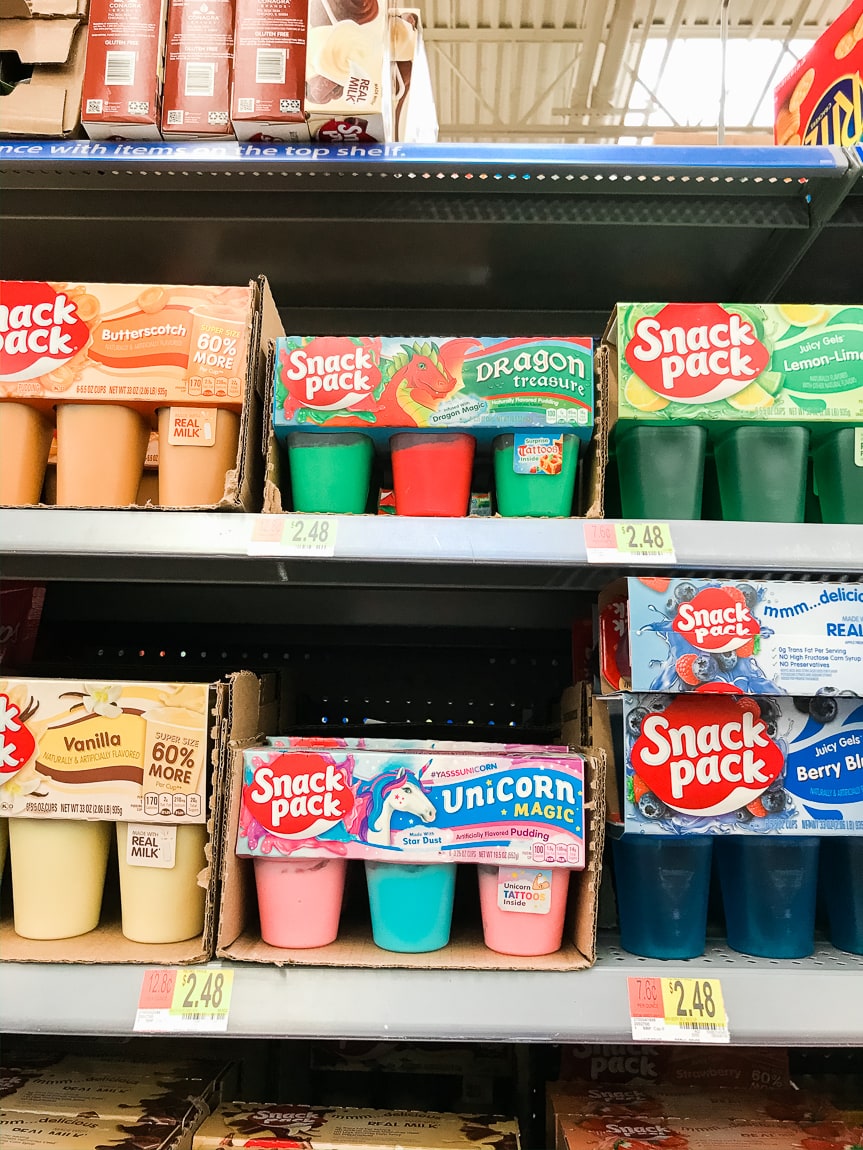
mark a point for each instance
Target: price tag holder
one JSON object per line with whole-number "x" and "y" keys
{"x": 304, "y": 535}
{"x": 187, "y": 1001}
{"x": 677, "y": 1010}
{"x": 629, "y": 542}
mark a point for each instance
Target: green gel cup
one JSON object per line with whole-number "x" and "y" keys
{"x": 661, "y": 470}
{"x": 762, "y": 473}
{"x": 538, "y": 495}
{"x": 838, "y": 479}
{"x": 330, "y": 471}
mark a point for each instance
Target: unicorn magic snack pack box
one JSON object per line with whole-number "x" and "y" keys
{"x": 380, "y": 384}
{"x": 759, "y": 638}
{"x": 403, "y": 802}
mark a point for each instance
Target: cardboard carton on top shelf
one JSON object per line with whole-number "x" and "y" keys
{"x": 196, "y": 100}
{"x": 269, "y": 70}
{"x": 49, "y": 102}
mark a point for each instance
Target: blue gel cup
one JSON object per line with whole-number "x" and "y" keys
{"x": 841, "y": 863}
{"x": 662, "y": 886}
{"x": 411, "y": 905}
{"x": 769, "y": 884}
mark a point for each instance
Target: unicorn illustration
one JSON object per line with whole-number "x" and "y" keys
{"x": 380, "y": 798}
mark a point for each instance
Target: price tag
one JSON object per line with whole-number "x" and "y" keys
{"x": 677, "y": 1010}
{"x": 189, "y": 1001}
{"x": 293, "y": 535}
{"x": 629, "y": 542}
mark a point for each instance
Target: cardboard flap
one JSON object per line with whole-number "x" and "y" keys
{"x": 33, "y": 109}
{"x": 41, "y": 9}
{"x": 38, "y": 41}
{"x": 15, "y": 10}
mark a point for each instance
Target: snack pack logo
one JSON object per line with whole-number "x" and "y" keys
{"x": 716, "y": 619}
{"x": 17, "y": 744}
{"x": 331, "y": 372}
{"x": 837, "y": 118}
{"x": 297, "y": 795}
{"x": 40, "y": 330}
{"x": 696, "y": 354}
{"x": 707, "y": 759}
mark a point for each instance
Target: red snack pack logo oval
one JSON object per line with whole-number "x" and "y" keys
{"x": 696, "y": 354}
{"x": 717, "y": 619}
{"x": 40, "y": 330}
{"x": 296, "y": 795}
{"x": 707, "y": 756}
{"x": 331, "y": 372}
{"x": 17, "y": 744}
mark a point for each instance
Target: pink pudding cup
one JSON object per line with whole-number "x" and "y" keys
{"x": 523, "y": 908}
{"x": 300, "y": 900}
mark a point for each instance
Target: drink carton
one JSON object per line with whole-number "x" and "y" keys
{"x": 756, "y": 638}
{"x": 736, "y": 764}
{"x": 821, "y": 100}
{"x": 709, "y": 362}
{"x": 383, "y": 383}
{"x": 402, "y": 804}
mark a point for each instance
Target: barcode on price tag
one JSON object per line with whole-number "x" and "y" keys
{"x": 294, "y": 535}
{"x": 677, "y": 1010}
{"x": 191, "y": 1001}
{"x": 628, "y": 542}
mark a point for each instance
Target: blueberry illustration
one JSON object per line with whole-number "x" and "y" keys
{"x": 801, "y": 704}
{"x": 775, "y": 800}
{"x": 827, "y": 691}
{"x": 704, "y": 668}
{"x": 771, "y": 728}
{"x": 743, "y": 816}
{"x": 823, "y": 708}
{"x": 726, "y": 660}
{"x": 770, "y": 708}
{"x": 652, "y": 807}
{"x": 685, "y": 592}
{"x": 749, "y": 594}
{"x": 634, "y": 720}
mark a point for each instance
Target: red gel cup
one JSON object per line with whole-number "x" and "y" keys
{"x": 432, "y": 473}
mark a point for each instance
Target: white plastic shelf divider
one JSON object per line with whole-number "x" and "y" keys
{"x": 816, "y": 1001}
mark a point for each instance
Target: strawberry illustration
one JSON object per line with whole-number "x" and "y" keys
{"x": 735, "y": 595}
{"x": 756, "y": 807}
{"x": 685, "y": 667}
{"x": 639, "y": 789}
{"x": 656, "y": 583}
{"x": 747, "y": 650}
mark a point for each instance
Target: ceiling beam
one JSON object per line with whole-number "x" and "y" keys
{"x": 588, "y": 132}
{"x": 579, "y": 35}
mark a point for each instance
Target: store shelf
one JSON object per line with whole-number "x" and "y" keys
{"x": 456, "y": 235}
{"x": 816, "y": 1001}
{"x": 179, "y": 547}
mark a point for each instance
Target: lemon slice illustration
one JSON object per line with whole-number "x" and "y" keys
{"x": 750, "y": 398}
{"x": 802, "y": 314}
{"x": 639, "y": 396}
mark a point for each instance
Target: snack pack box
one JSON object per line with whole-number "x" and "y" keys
{"x": 348, "y": 84}
{"x": 384, "y": 383}
{"x": 821, "y": 100}
{"x": 147, "y": 345}
{"x": 316, "y": 1128}
{"x": 610, "y": 1100}
{"x": 198, "y": 53}
{"x": 759, "y": 638}
{"x": 50, "y": 1131}
{"x": 269, "y": 70}
{"x": 116, "y": 751}
{"x": 737, "y": 764}
{"x": 414, "y": 806}
{"x": 709, "y": 362}
{"x": 737, "y": 1068}
{"x": 590, "y": 1132}
{"x": 122, "y": 92}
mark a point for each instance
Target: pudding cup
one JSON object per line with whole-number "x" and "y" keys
{"x": 331, "y": 472}
{"x": 300, "y": 900}
{"x": 192, "y": 474}
{"x": 25, "y": 443}
{"x": 101, "y": 449}
{"x": 411, "y": 906}
{"x": 432, "y": 473}
{"x": 523, "y": 909}
{"x": 160, "y": 903}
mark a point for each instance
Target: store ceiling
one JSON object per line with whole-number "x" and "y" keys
{"x": 565, "y": 70}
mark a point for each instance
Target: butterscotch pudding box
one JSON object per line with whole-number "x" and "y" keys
{"x": 269, "y": 70}
{"x": 122, "y": 91}
{"x": 314, "y": 1128}
{"x": 821, "y": 100}
{"x": 147, "y": 756}
{"x": 197, "y": 91}
{"x": 348, "y": 82}
{"x": 188, "y": 348}
{"x": 47, "y": 1131}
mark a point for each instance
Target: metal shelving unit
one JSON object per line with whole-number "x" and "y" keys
{"x": 453, "y": 238}
{"x": 815, "y": 1002}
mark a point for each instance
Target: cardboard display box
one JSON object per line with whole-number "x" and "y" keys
{"x": 48, "y": 37}
{"x": 243, "y": 389}
{"x": 821, "y": 100}
{"x": 239, "y": 934}
{"x": 107, "y": 943}
{"x": 590, "y": 477}
{"x": 269, "y": 70}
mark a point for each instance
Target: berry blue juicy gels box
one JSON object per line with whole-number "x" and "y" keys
{"x": 759, "y": 638}
{"x": 730, "y": 764}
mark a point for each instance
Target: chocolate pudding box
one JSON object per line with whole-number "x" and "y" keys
{"x": 269, "y": 70}
{"x": 762, "y": 638}
{"x": 47, "y": 1131}
{"x": 348, "y": 83}
{"x": 259, "y": 1124}
{"x": 579, "y": 1132}
{"x": 197, "y": 90}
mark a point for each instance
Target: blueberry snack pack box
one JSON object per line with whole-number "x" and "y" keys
{"x": 381, "y": 384}
{"x": 759, "y": 638}
{"x": 319, "y": 798}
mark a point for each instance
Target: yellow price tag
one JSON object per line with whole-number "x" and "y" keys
{"x": 200, "y": 994}
{"x": 294, "y": 535}
{"x": 186, "y": 1001}
{"x": 644, "y": 539}
{"x": 677, "y": 1010}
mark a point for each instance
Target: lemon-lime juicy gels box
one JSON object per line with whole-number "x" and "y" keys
{"x": 713, "y": 361}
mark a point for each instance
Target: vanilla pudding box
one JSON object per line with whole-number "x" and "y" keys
{"x": 761, "y": 638}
